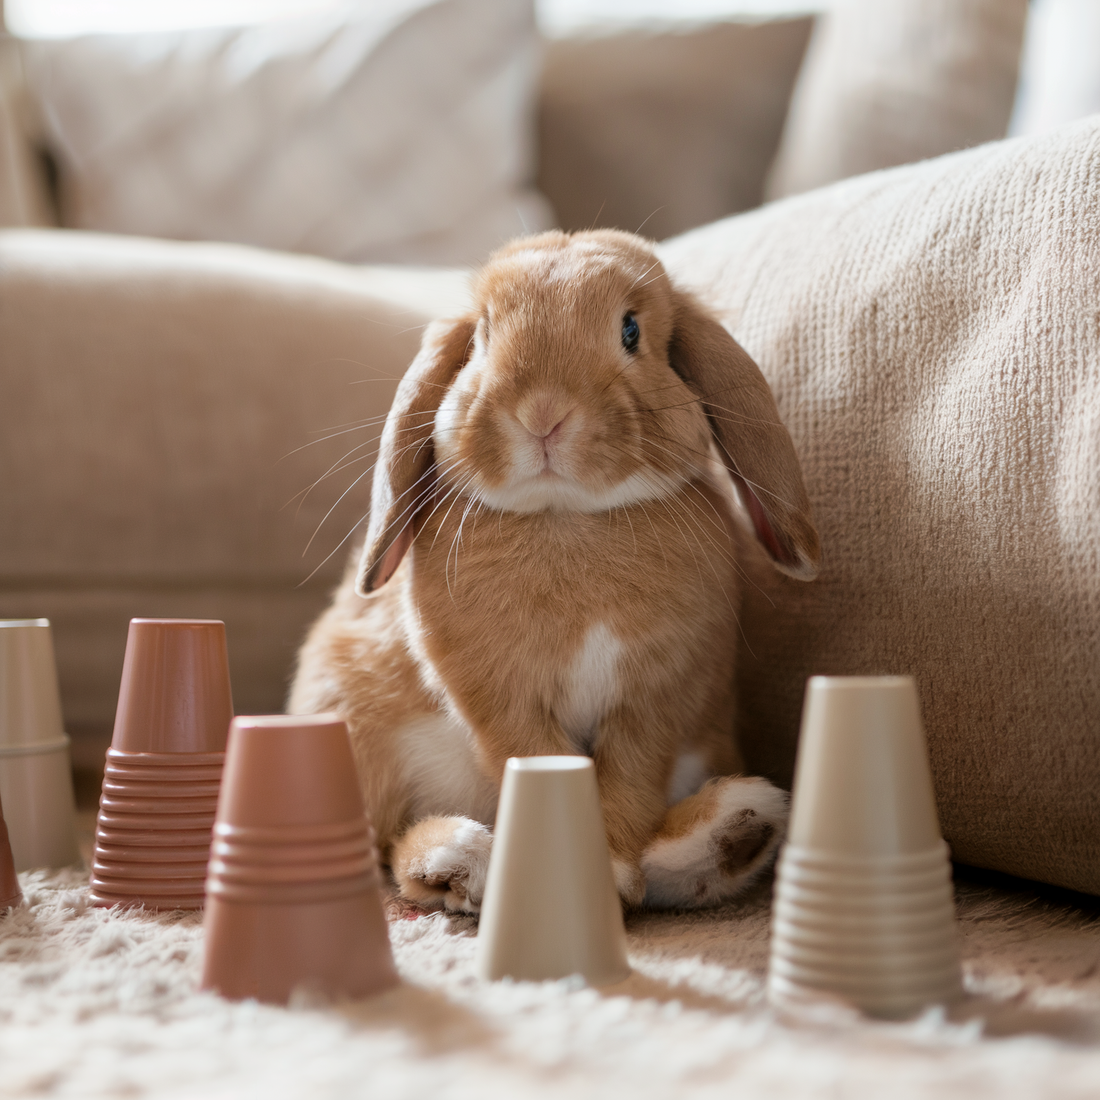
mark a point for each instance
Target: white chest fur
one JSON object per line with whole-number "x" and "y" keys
{"x": 590, "y": 687}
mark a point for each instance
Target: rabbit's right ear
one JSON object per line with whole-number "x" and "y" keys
{"x": 404, "y": 476}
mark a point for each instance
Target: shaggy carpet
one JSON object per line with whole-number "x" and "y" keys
{"x": 106, "y": 1003}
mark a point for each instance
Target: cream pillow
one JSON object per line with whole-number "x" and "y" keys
{"x": 391, "y": 130}
{"x": 889, "y": 82}
{"x": 933, "y": 340}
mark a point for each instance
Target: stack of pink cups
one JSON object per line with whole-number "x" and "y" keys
{"x": 864, "y": 908}
{"x": 293, "y": 896}
{"x": 164, "y": 766}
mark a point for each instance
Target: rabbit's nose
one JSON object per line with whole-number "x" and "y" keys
{"x": 543, "y": 415}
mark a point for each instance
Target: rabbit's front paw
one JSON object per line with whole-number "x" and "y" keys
{"x": 441, "y": 863}
{"x": 715, "y": 843}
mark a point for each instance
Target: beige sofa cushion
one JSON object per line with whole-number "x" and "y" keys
{"x": 159, "y": 405}
{"x": 667, "y": 130}
{"x": 889, "y": 82}
{"x": 932, "y": 334}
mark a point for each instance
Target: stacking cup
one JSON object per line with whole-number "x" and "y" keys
{"x": 550, "y": 907}
{"x": 293, "y": 891}
{"x": 164, "y": 767}
{"x": 864, "y": 908}
{"x": 36, "y": 784}
{"x": 10, "y": 893}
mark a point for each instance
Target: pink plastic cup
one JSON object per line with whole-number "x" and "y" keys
{"x": 293, "y": 889}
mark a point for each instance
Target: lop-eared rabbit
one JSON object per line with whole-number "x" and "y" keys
{"x": 564, "y": 483}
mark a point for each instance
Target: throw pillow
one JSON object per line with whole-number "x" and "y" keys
{"x": 888, "y": 83}
{"x": 390, "y": 130}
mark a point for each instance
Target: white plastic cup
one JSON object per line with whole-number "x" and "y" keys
{"x": 551, "y": 909}
{"x": 864, "y": 908}
{"x": 36, "y": 785}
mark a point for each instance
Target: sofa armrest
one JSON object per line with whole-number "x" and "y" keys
{"x": 164, "y": 407}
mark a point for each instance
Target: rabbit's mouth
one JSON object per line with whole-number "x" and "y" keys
{"x": 548, "y": 491}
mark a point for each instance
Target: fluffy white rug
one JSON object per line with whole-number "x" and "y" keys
{"x": 103, "y": 1003}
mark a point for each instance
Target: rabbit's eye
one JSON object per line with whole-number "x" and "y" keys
{"x": 631, "y": 332}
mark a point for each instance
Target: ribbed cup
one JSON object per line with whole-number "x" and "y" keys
{"x": 163, "y": 770}
{"x": 864, "y": 907}
{"x": 293, "y": 884}
{"x": 551, "y": 908}
{"x": 35, "y": 770}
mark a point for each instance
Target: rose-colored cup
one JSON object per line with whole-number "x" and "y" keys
{"x": 163, "y": 770}
{"x": 293, "y": 888}
{"x": 10, "y": 893}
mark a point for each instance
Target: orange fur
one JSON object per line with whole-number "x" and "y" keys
{"x": 559, "y": 539}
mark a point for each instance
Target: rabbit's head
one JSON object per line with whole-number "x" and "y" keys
{"x": 583, "y": 381}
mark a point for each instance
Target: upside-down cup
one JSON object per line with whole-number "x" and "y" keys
{"x": 163, "y": 769}
{"x": 10, "y": 893}
{"x": 551, "y": 909}
{"x": 293, "y": 891}
{"x": 864, "y": 908}
{"x": 36, "y": 783}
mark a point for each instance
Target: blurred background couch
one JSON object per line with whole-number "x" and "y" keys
{"x": 221, "y": 244}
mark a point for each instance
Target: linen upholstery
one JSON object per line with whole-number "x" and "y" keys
{"x": 153, "y": 400}
{"x": 932, "y": 336}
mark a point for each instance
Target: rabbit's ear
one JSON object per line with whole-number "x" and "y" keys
{"x": 754, "y": 443}
{"x": 404, "y": 476}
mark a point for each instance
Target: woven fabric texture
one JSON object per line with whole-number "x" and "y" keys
{"x": 932, "y": 335}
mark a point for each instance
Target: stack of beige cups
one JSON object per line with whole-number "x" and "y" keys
{"x": 864, "y": 908}
{"x": 36, "y": 786}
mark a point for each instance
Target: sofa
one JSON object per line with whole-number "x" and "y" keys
{"x": 184, "y": 429}
{"x": 187, "y": 424}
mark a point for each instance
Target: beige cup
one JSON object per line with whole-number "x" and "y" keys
{"x": 864, "y": 908}
{"x": 551, "y": 908}
{"x": 36, "y": 785}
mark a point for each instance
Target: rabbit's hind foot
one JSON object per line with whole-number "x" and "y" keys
{"x": 714, "y": 844}
{"x": 441, "y": 863}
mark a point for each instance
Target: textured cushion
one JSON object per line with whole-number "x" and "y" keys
{"x": 933, "y": 338}
{"x": 888, "y": 82}
{"x": 164, "y": 407}
{"x": 389, "y": 131}
{"x": 664, "y": 131}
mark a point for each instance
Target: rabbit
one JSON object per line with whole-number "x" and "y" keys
{"x": 564, "y": 483}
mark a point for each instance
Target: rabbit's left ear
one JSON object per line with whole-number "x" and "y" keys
{"x": 404, "y": 475}
{"x": 754, "y": 443}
